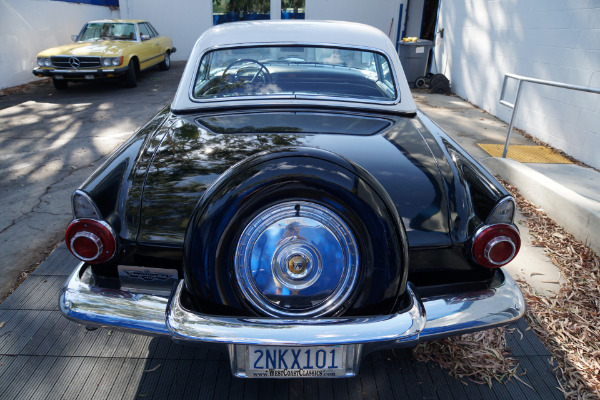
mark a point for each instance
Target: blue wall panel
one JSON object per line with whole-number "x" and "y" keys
{"x": 111, "y": 3}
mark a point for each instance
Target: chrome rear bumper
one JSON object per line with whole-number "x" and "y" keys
{"x": 426, "y": 319}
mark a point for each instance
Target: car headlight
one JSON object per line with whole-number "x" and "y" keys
{"x": 112, "y": 61}
{"x": 44, "y": 62}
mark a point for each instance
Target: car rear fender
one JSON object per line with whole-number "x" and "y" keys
{"x": 116, "y": 187}
{"x": 473, "y": 192}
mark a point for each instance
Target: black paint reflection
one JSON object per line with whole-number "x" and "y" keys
{"x": 188, "y": 160}
{"x": 192, "y": 156}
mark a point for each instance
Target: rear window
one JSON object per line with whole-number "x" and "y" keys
{"x": 295, "y": 71}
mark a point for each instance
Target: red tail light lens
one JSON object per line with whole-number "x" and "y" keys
{"x": 496, "y": 245}
{"x": 91, "y": 240}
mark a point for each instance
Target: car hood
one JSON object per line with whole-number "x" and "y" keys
{"x": 196, "y": 150}
{"x": 104, "y": 48}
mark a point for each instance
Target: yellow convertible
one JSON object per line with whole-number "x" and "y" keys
{"x": 106, "y": 49}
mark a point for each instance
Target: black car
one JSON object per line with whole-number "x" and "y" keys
{"x": 293, "y": 204}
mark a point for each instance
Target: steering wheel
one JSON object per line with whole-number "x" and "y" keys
{"x": 223, "y": 83}
{"x": 262, "y": 70}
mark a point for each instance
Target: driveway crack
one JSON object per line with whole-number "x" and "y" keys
{"x": 40, "y": 200}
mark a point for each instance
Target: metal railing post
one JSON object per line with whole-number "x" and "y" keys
{"x": 512, "y": 119}
{"x": 514, "y": 106}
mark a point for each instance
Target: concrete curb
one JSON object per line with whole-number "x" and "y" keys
{"x": 577, "y": 214}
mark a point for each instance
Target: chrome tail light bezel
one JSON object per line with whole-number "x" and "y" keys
{"x": 97, "y": 231}
{"x": 488, "y": 237}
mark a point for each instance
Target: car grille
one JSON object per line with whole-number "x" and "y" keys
{"x": 71, "y": 62}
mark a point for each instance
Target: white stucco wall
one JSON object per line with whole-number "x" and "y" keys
{"x": 381, "y": 14}
{"x": 185, "y": 20}
{"x": 30, "y": 26}
{"x": 182, "y": 20}
{"x": 546, "y": 39}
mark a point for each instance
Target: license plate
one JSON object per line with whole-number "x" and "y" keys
{"x": 89, "y": 77}
{"x": 59, "y": 77}
{"x": 296, "y": 362}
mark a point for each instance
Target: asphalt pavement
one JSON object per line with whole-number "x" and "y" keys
{"x": 51, "y": 141}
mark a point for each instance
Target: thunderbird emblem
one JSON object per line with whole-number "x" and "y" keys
{"x": 74, "y": 62}
{"x": 297, "y": 264}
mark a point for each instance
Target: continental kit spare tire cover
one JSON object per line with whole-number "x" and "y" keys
{"x": 295, "y": 233}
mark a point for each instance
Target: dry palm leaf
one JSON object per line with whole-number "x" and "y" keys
{"x": 480, "y": 357}
{"x": 568, "y": 323}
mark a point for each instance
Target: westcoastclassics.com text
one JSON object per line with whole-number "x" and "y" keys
{"x": 286, "y": 373}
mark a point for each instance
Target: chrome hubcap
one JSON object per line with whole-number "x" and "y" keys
{"x": 296, "y": 259}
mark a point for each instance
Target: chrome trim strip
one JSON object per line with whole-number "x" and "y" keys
{"x": 293, "y": 97}
{"x": 428, "y": 318}
{"x": 152, "y": 58}
{"x": 193, "y": 99}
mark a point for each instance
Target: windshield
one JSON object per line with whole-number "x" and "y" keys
{"x": 294, "y": 71}
{"x": 108, "y": 31}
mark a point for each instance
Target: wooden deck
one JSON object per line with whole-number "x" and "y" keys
{"x": 45, "y": 356}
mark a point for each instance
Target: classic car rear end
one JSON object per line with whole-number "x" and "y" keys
{"x": 294, "y": 205}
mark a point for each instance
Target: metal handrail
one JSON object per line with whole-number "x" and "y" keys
{"x": 514, "y": 106}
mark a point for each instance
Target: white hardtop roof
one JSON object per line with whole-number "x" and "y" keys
{"x": 302, "y": 32}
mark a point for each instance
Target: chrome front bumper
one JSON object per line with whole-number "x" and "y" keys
{"x": 80, "y": 73}
{"x": 426, "y": 319}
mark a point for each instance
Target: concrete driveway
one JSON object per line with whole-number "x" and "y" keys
{"x": 50, "y": 142}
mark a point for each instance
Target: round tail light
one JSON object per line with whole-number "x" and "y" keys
{"x": 496, "y": 245}
{"x": 91, "y": 240}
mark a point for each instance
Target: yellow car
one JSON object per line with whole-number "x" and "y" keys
{"x": 106, "y": 49}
